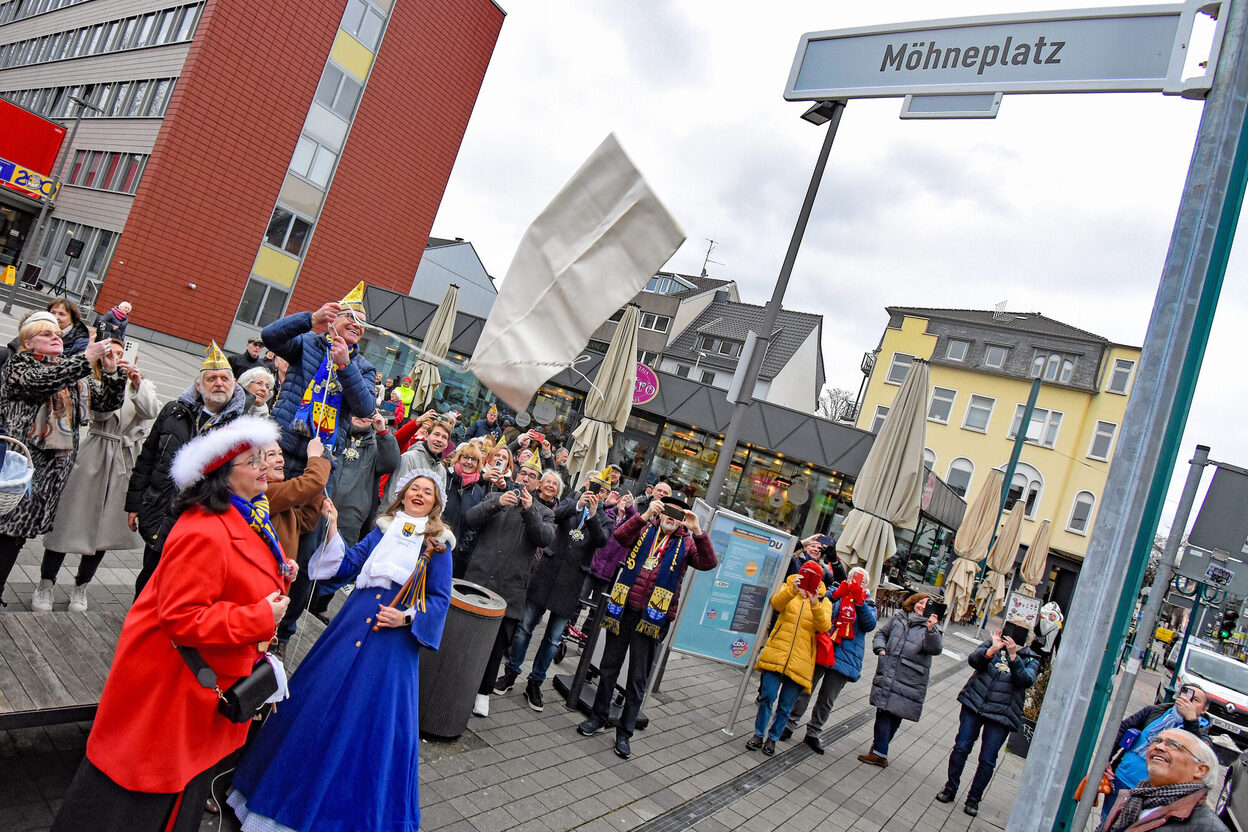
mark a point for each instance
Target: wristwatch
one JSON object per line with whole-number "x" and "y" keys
{"x": 409, "y": 615}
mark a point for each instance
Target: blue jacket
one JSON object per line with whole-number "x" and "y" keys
{"x": 292, "y": 338}
{"x": 849, "y": 653}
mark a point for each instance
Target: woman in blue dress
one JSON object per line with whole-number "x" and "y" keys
{"x": 341, "y": 754}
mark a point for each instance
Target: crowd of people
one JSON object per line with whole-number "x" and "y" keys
{"x": 281, "y": 475}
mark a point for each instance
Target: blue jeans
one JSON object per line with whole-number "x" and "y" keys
{"x": 994, "y": 734}
{"x": 524, "y": 634}
{"x": 774, "y": 683}
{"x": 886, "y": 725}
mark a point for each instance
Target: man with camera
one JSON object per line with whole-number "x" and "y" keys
{"x": 661, "y": 544}
{"x": 512, "y": 527}
{"x": 423, "y": 453}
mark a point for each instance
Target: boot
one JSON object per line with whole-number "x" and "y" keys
{"x": 873, "y": 759}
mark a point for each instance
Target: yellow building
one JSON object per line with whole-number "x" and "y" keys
{"x": 982, "y": 366}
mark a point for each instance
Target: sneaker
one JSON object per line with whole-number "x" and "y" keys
{"x": 816, "y": 744}
{"x": 591, "y": 726}
{"x": 533, "y": 695}
{"x": 946, "y": 795}
{"x": 971, "y": 807}
{"x": 505, "y": 683}
{"x": 78, "y": 598}
{"x": 754, "y": 743}
{"x": 622, "y": 748}
{"x": 41, "y": 601}
{"x": 481, "y": 707}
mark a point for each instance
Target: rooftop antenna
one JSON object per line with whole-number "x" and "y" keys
{"x": 999, "y": 313}
{"x": 709, "y": 249}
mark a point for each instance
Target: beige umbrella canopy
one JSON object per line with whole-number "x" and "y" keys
{"x": 609, "y": 401}
{"x": 1033, "y": 564}
{"x": 971, "y": 543}
{"x": 991, "y": 593}
{"x": 425, "y": 375}
{"x": 889, "y": 488}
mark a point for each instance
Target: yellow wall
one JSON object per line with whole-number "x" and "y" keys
{"x": 1065, "y": 468}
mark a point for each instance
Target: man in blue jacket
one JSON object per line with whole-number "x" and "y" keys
{"x": 848, "y": 652}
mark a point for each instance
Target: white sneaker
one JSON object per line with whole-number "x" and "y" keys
{"x": 41, "y": 601}
{"x": 78, "y": 598}
{"x": 481, "y": 707}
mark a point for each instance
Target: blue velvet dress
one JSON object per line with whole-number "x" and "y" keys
{"x": 341, "y": 754}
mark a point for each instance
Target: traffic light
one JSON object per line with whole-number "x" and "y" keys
{"x": 1226, "y": 627}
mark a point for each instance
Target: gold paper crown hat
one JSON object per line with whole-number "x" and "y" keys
{"x": 214, "y": 359}
{"x": 602, "y": 477}
{"x": 354, "y": 299}
{"x": 534, "y": 462}
{"x": 493, "y": 409}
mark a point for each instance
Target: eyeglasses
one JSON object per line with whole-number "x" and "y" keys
{"x": 1173, "y": 745}
{"x": 256, "y": 461}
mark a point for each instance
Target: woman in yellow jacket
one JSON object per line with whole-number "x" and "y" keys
{"x": 787, "y": 661}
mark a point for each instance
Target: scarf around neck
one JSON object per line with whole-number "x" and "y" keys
{"x": 663, "y": 552}
{"x": 467, "y": 479}
{"x": 256, "y": 513}
{"x": 1147, "y": 797}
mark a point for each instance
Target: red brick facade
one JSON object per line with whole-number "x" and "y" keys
{"x": 227, "y": 139}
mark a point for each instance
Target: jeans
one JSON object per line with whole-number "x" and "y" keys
{"x": 550, "y": 642}
{"x": 52, "y": 562}
{"x": 829, "y": 684}
{"x": 641, "y": 650}
{"x": 774, "y": 683}
{"x": 886, "y": 726}
{"x": 994, "y": 734}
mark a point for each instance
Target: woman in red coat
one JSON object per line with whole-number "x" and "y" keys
{"x": 220, "y": 588}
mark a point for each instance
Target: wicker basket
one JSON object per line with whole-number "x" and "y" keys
{"x": 15, "y": 490}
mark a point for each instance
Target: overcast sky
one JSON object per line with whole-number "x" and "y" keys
{"x": 1062, "y": 205}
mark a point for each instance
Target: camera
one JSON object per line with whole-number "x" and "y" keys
{"x": 594, "y": 487}
{"x": 674, "y": 512}
{"x": 516, "y": 488}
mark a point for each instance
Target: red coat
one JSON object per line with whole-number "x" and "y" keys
{"x": 157, "y": 728}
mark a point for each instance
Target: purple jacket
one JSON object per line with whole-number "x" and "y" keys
{"x": 609, "y": 557}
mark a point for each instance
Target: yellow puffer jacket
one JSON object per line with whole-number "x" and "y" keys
{"x": 790, "y": 649}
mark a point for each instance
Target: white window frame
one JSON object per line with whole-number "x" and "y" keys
{"x": 708, "y": 377}
{"x": 1109, "y": 388}
{"x": 1097, "y": 433}
{"x": 877, "y": 421}
{"x": 1070, "y": 519}
{"x": 970, "y": 473}
{"x": 953, "y": 400}
{"x": 894, "y": 364}
{"x": 1024, "y": 470}
{"x": 971, "y": 404}
{"x": 655, "y": 321}
{"x": 1005, "y": 356}
{"x": 1048, "y": 424}
{"x": 928, "y": 453}
{"x": 964, "y": 344}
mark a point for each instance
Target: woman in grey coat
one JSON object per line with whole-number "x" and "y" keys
{"x": 905, "y": 646}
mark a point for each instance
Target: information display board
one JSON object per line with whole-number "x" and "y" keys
{"x": 725, "y": 609}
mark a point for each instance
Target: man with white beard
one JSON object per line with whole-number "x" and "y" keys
{"x": 212, "y": 401}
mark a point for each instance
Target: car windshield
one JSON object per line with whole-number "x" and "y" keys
{"x": 1219, "y": 669}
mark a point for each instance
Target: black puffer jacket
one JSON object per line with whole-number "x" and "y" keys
{"x": 556, "y": 583}
{"x": 999, "y": 685}
{"x": 151, "y": 490}
{"x": 508, "y": 539}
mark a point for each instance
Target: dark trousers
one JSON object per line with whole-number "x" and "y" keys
{"x": 10, "y": 548}
{"x": 640, "y": 650}
{"x": 969, "y": 728}
{"x": 52, "y": 562}
{"x": 502, "y": 647}
{"x": 94, "y": 803}
{"x": 886, "y": 726}
{"x": 151, "y": 558}
{"x": 829, "y": 683}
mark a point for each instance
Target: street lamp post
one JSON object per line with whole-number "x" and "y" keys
{"x": 824, "y": 112}
{"x": 31, "y": 248}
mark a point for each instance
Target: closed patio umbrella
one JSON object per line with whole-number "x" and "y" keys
{"x": 889, "y": 489}
{"x": 1033, "y": 564}
{"x": 425, "y": 375}
{"x": 971, "y": 544}
{"x": 991, "y": 593}
{"x": 609, "y": 401}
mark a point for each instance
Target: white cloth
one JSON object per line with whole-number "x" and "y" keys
{"x": 394, "y": 558}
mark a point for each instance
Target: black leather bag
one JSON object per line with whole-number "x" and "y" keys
{"x": 243, "y": 700}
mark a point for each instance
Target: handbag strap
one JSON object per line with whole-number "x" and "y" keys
{"x": 205, "y": 675}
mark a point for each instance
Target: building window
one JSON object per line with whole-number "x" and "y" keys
{"x": 978, "y": 413}
{"x": 1120, "y": 376}
{"x": 597, "y": 346}
{"x": 959, "y": 475}
{"x": 655, "y": 323}
{"x": 338, "y": 91}
{"x": 1081, "y": 512}
{"x": 650, "y": 359}
{"x": 1102, "y": 441}
{"x": 708, "y": 377}
{"x": 107, "y": 171}
{"x": 117, "y": 98}
{"x": 1027, "y": 485}
{"x": 941, "y": 406}
{"x": 956, "y": 349}
{"x": 898, "y": 368}
{"x": 313, "y": 161}
{"x": 262, "y": 303}
{"x": 682, "y": 370}
{"x": 995, "y": 356}
{"x": 1052, "y": 366}
{"x": 19, "y": 9}
{"x": 364, "y": 22}
{"x": 288, "y": 231}
{"x": 881, "y": 413}
{"x": 732, "y": 348}
{"x": 151, "y": 29}
{"x": 1044, "y": 426}
{"x": 929, "y": 459}
{"x": 707, "y": 343}
{"x": 619, "y": 313}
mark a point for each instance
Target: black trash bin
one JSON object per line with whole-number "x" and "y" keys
{"x": 449, "y": 677}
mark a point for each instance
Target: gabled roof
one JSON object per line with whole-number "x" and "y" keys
{"x": 439, "y": 242}
{"x": 700, "y": 285}
{"x": 733, "y": 320}
{"x": 1033, "y": 322}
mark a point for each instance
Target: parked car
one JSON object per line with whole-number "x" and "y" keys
{"x": 1226, "y": 681}
{"x": 1173, "y": 649}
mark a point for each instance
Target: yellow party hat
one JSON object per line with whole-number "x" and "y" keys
{"x": 354, "y": 299}
{"x": 534, "y": 462}
{"x": 214, "y": 359}
{"x": 602, "y": 477}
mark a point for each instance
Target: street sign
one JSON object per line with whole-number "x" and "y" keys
{"x": 1230, "y": 574}
{"x": 1123, "y": 49}
{"x": 1222, "y": 522}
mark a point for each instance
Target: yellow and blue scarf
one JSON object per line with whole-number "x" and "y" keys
{"x": 663, "y": 552}
{"x": 256, "y": 513}
{"x": 317, "y": 413}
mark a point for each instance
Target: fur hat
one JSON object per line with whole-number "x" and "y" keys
{"x": 909, "y": 604}
{"x": 205, "y": 454}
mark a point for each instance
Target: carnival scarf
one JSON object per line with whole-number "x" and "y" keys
{"x": 317, "y": 413}
{"x": 1148, "y": 797}
{"x": 256, "y": 513}
{"x": 658, "y": 550}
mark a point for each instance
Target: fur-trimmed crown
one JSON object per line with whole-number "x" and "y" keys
{"x": 206, "y": 453}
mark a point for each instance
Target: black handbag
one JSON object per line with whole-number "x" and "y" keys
{"x": 242, "y": 701}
